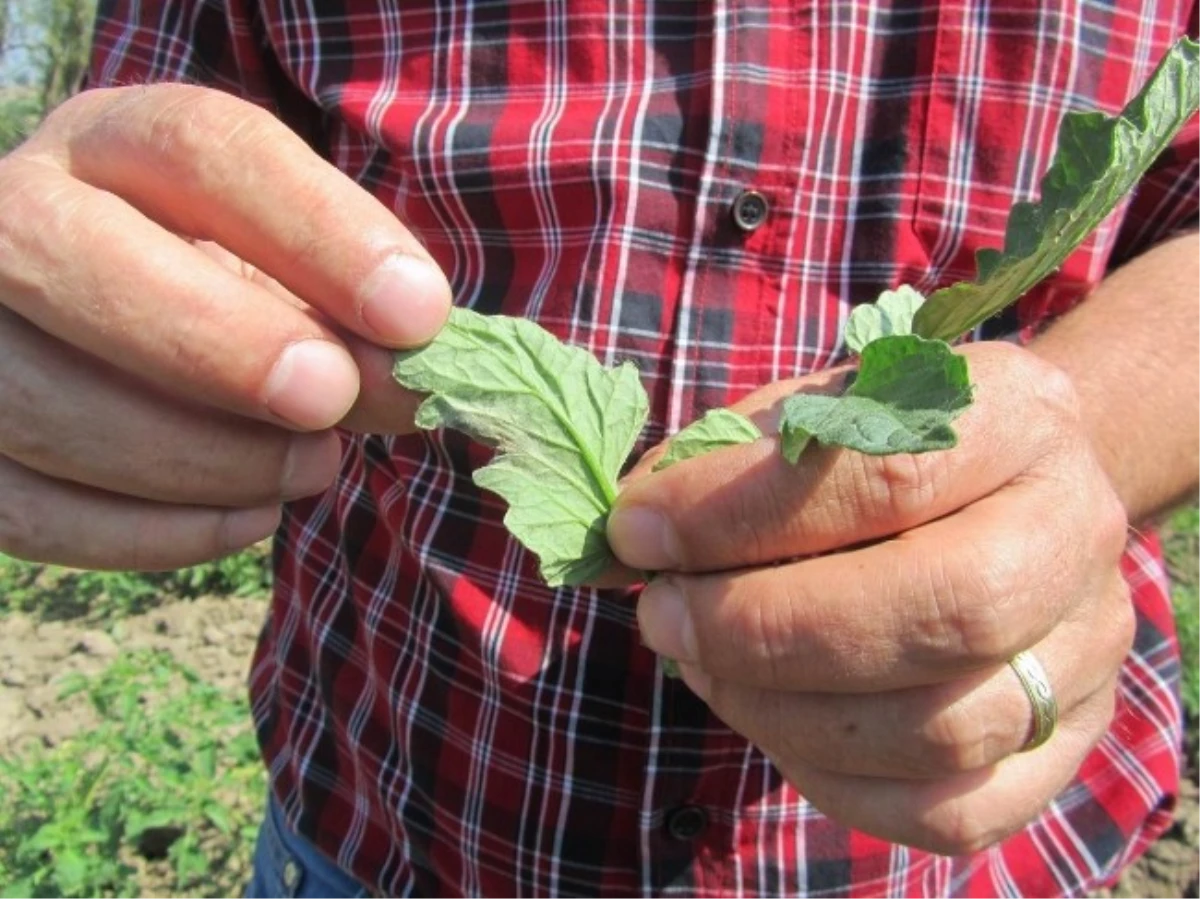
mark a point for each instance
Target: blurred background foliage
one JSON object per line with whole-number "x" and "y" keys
{"x": 43, "y": 58}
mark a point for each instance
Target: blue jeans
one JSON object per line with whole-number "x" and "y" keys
{"x": 286, "y": 864}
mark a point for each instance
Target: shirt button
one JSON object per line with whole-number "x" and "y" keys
{"x": 749, "y": 210}
{"x": 291, "y": 875}
{"x": 686, "y": 822}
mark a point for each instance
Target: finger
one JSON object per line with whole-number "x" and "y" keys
{"x": 382, "y": 406}
{"x": 208, "y": 165}
{"x": 963, "y": 813}
{"x": 46, "y": 520}
{"x": 934, "y": 731}
{"x": 85, "y": 267}
{"x": 959, "y": 594}
{"x": 746, "y": 505}
{"x": 75, "y": 418}
{"x": 763, "y": 407}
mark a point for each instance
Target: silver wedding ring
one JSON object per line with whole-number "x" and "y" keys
{"x": 1041, "y": 696}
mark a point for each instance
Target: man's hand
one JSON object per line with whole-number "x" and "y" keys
{"x": 853, "y": 616}
{"x": 190, "y": 299}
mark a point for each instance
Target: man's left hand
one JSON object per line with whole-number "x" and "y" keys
{"x": 854, "y": 616}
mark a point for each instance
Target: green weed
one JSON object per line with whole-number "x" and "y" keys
{"x": 170, "y": 774}
{"x": 1182, "y": 547}
{"x": 52, "y": 592}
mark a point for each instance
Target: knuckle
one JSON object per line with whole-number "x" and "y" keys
{"x": 85, "y": 103}
{"x": 42, "y": 216}
{"x": 975, "y": 603}
{"x": 24, "y": 210}
{"x": 1055, "y": 389}
{"x": 197, "y": 124}
{"x": 960, "y": 829}
{"x": 902, "y": 486}
{"x": 1053, "y": 393}
{"x": 953, "y": 741}
{"x": 1051, "y": 406}
{"x": 752, "y": 642}
{"x": 1111, "y": 526}
{"x": 82, "y": 105}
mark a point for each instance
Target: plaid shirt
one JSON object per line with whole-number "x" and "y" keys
{"x": 433, "y": 716}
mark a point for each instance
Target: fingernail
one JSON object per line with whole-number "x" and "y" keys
{"x": 313, "y": 384}
{"x": 311, "y": 464}
{"x": 405, "y": 301}
{"x": 643, "y": 538}
{"x": 247, "y": 526}
{"x": 665, "y": 623}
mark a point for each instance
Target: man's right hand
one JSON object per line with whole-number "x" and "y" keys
{"x": 190, "y": 299}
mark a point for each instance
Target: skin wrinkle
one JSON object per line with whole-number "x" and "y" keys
{"x": 40, "y": 207}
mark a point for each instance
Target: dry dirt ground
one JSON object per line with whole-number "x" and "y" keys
{"x": 215, "y": 636}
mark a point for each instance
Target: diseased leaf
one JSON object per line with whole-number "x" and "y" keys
{"x": 907, "y": 393}
{"x": 717, "y": 428}
{"x": 1098, "y": 160}
{"x": 563, "y": 425}
{"x": 891, "y": 314}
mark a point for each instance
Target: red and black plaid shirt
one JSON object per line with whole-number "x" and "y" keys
{"x": 433, "y": 716}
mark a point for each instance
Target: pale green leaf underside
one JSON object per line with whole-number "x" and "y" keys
{"x": 907, "y": 393}
{"x": 717, "y": 428}
{"x": 1098, "y": 160}
{"x": 891, "y": 314}
{"x": 563, "y": 425}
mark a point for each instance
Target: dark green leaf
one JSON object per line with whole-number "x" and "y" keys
{"x": 907, "y": 393}
{"x": 1098, "y": 160}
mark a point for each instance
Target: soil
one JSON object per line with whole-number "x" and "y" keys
{"x": 215, "y": 636}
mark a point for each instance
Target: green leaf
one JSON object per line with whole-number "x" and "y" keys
{"x": 71, "y": 872}
{"x": 718, "y": 428}
{"x": 24, "y": 887}
{"x": 1098, "y": 160}
{"x": 563, "y": 425}
{"x": 891, "y": 314}
{"x": 206, "y": 761}
{"x": 218, "y": 815}
{"x": 907, "y": 392}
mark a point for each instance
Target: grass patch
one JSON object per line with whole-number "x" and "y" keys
{"x": 1181, "y": 546}
{"x": 55, "y": 593}
{"x": 169, "y": 779}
